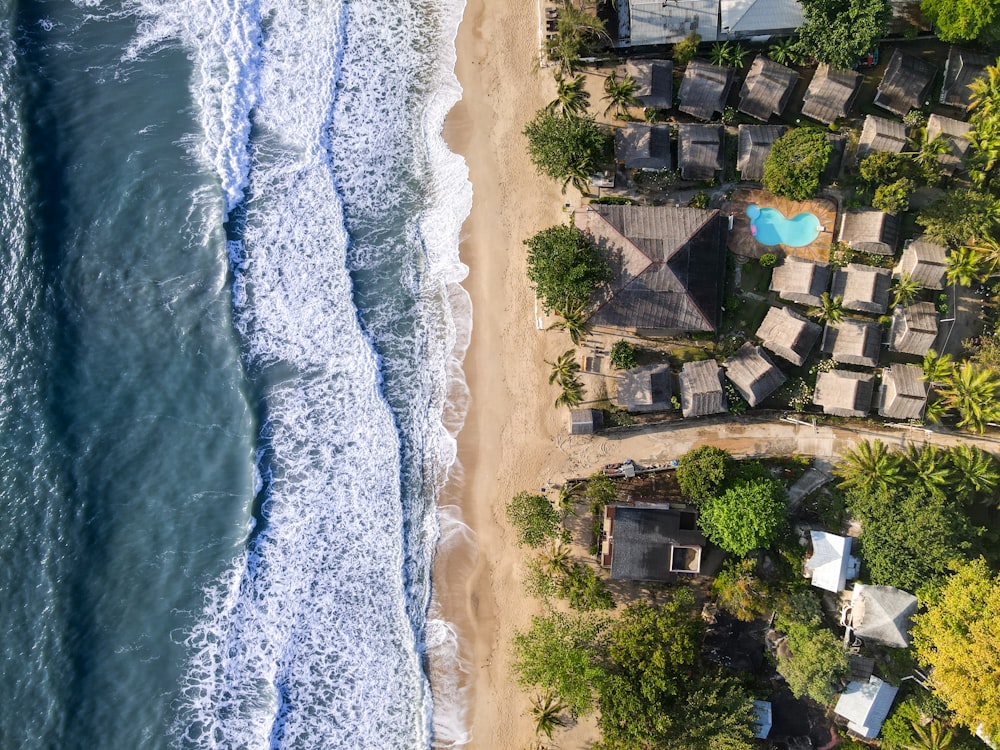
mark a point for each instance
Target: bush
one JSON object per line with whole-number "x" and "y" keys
{"x": 567, "y": 148}
{"x": 746, "y": 517}
{"x": 686, "y": 48}
{"x": 894, "y": 197}
{"x": 623, "y": 355}
{"x": 796, "y": 162}
{"x": 768, "y": 260}
{"x": 699, "y": 200}
{"x": 701, "y": 472}
{"x": 566, "y": 267}
{"x": 534, "y": 519}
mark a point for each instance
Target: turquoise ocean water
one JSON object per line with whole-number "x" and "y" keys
{"x": 230, "y": 372}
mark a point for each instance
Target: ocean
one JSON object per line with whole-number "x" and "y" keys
{"x": 230, "y": 373}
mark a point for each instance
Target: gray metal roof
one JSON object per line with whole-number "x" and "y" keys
{"x": 699, "y": 151}
{"x": 767, "y": 88}
{"x": 863, "y": 288}
{"x": 831, "y": 562}
{"x": 753, "y": 373}
{"x": 701, "y": 389}
{"x": 961, "y": 69}
{"x": 585, "y": 421}
{"x": 926, "y": 262}
{"x": 914, "y": 328}
{"x": 743, "y": 18}
{"x": 853, "y": 342}
{"x": 644, "y": 389}
{"x": 754, "y": 146}
{"x": 654, "y": 22}
{"x": 669, "y": 266}
{"x": 844, "y": 393}
{"x": 870, "y": 231}
{"x": 906, "y": 84}
{"x": 801, "y": 281}
{"x": 704, "y": 89}
{"x": 640, "y": 146}
{"x": 788, "y": 334}
{"x": 954, "y": 133}
{"x": 881, "y": 134}
{"x": 903, "y": 393}
{"x": 654, "y": 81}
{"x": 882, "y": 614}
{"x": 644, "y": 539}
{"x": 831, "y": 94}
{"x": 866, "y": 705}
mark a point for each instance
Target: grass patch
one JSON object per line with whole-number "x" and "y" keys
{"x": 681, "y": 354}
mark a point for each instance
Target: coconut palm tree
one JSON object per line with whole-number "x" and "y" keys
{"x": 938, "y": 368}
{"x": 905, "y": 289}
{"x": 719, "y": 54}
{"x": 572, "y": 98}
{"x": 929, "y": 465}
{"x": 934, "y": 736}
{"x": 972, "y": 391}
{"x": 966, "y": 266}
{"x": 558, "y": 561}
{"x": 869, "y": 467}
{"x": 564, "y": 368}
{"x": 976, "y": 470}
{"x": 830, "y": 310}
{"x": 546, "y": 709}
{"x": 620, "y": 94}
{"x": 576, "y": 33}
{"x": 785, "y": 52}
{"x": 572, "y": 393}
{"x": 574, "y": 321}
{"x": 989, "y": 249}
{"x": 738, "y": 56}
{"x": 935, "y": 410}
{"x": 984, "y": 98}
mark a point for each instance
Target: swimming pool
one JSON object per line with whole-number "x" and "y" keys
{"x": 770, "y": 227}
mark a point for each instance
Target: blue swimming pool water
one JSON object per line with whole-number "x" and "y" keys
{"x": 770, "y": 227}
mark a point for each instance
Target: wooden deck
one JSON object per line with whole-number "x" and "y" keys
{"x": 743, "y": 243}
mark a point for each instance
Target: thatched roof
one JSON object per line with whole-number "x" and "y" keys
{"x": 914, "y": 328}
{"x": 654, "y": 544}
{"x": 640, "y": 146}
{"x": 831, "y": 94}
{"x": 926, "y": 262}
{"x": 866, "y": 705}
{"x": 654, "y": 82}
{"x": 844, "y": 393}
{"x": 961, "y": 69}
{"x": 954, "y": 132}
{"x": 788, "y": 334}
{"x": 880, "y": 134}
{"x": 853, "y": 342}
{"x": 704, "y": 89}
{"x": 882, "y": 614}
{"x": 644, "y": 389}
{"x": 701, "y": 389}
{"x": 870, "y": 231}
{"x": 767, "y": 88}
{"x": 903, "y": 393}
{"x": 699, "y": 151}
{"x": 753, "y": 373}
{"x": 801, "y": 281}
{"x": 906, "y": 84}
{"x": 863, "y": 288}
{"x": 744, "y": 18}
{"x": 585, "y": 421}
{"x": 668, "y": 264}
{"x": 755, "y": 144}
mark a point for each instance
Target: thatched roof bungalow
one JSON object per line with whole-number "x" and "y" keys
{"x": 955, "y": 133}
{"x": 961, "y": 69}
{"x": 753, "y": 373}
{"x": 640, "y": 146}
{"x": 903, "y": 393}
{"x": 843, "y": 393}
{"x": 863, "y": 288}
{"x": 704, "y": 89}
{"x": 644, "y": 389}
{"x": 853, "y": 342}
{"x": 831, "y": 94}
{"x": 767, "y": 88}
{"x": 654, "y": 81}
{"x": 788, "y": 335}
{"x": 755, "y": 143}
{"x": 699, "y": 151}
{"x": 906, "y": 84}
{"x": 801, "y": 281}
{"x": 914, "y": 328}
{"x": 881, "y": 134}
{"x": 926, "y": 262}
{"x": 870, "y": 231}
{"x": 701, "y": 389}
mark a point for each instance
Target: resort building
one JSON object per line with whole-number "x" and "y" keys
{"x": 585, "y": 421}
{"x": 788, "y": 334}
{"x": 701, "y": 389}
{"x": 800, "y": 281}
{"x": 831, "y": 564}
{"x": 831, "y": 94}
{"x": 654, "y": 22}
{"x": 955, "y": 134}
{"x": 755, "y": 143}
{"x": 880, "y": 614}
{"x": 767, "y": 88}
{"x": 654, "y": 82}
{"x": 903, "y": 393}
{"x": 644, "y": 389}
{"x": 740, "y": 19}
{"x": 753, "y": 373}
{"x": 853, "y": 342}
{"x": 668, "y": 267}
{"x": 869, "y": 231}
{"x": 699, "y": 151}
{"x": 866, "y": 705}
{"x": 914, "y": 328}
{"x": 906, "y": 84}
{"x": 862, "y": 288}
{"x": 639, "y": 146}
{"x": 926, "y": 262}
{"x": 705, "y": 89}
{"x": 843, "y": 393}
{"x": 961, "y": 69}
{"x": 881, "y": 134}
{"x": 650, "y": 543}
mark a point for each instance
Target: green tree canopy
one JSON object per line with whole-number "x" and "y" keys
{"x": 796, "y": 162}
{"x": 894, "y": 197}
{"x": 747, "y": 516}
{"x": 534, "y": 519}
{"x": 567, "y": 147}
{"x": 961, "y": 217}
{"x": 840, "y": 32}
{"x": 702, "y": 471}
{"x": 957, "y": 638}
{"x": 565, "y": 267}
{"x": 814, "y": 663}
{"x": 964, "y": 20}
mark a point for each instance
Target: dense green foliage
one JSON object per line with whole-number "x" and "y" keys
{"x": 894, "y": 197}
{"x": 686, "y": 48}
{"x": 702, "y": 471}
{"x": 577, "y": 33}
{"x": 747, "y": 516}
{"x": 739, "y": 591}
{"x": 567, "y": 147}
{"x": 565, "y": 267}
{"x": 815, "y": 661}
{"x": 964, "y": 20}
{"x": 961, "y": 217}
{"x": 840, "y": 32}
{"x": 796, "y": 162}
{"x": 534, "y": 519}
{"x": 623, "y": 355}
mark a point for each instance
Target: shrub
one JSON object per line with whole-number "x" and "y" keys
{"x": 745, "y": 517}
{"x": 768, "y": 260}
{"x": 701, "y": 472}
{"x": 533, "y": 518}
{"x": 894, "y": 197}
{"x": 699, "y": 200}
{"x": 623, "y": 355}
{"x": 686, "y": 48}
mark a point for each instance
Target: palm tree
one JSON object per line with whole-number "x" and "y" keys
{"x": 576, "y": 32}
{"x": 572, "y": 98}
{"x": 904, "y": 289}
{"x": 719, "y": 54}
{"x": 559, "y": 561}
{"x": 574, "y": 321}
{"x": 989, "y": 250}
{"x": 938, "y": 368}
{"x": 784, "y": 52}
{"x": 929, "y": 465}
{"x": 977, "y": 471}
{"x": 546, "y": 710}
{"x": 925, "y": 153}
{"x": 972, "y": 391}
{"x": 869, "y": 467}
{"x": 738, "y": 56}
{"x": 564, "y": 368}
{"x": 572, "y": 393}
{"x": 620, "y": 94}
{"x": 935, "y": 736}
{"x": 984, "y": 98}
{"x": 966, "y": 266}
{"x": 830, "y": 310}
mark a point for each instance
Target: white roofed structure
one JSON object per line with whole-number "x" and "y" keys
{"x": 831, "y": 564}
{"x": 866, "y": 705}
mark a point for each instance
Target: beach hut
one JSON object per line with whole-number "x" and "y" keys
{"x": 788, "y": 334}
{"x": 704, "y": 89}
{"x": 869, "y": 231}
{"x": 853, "y": 342}
{"x": 801, "y": 281}
{"x": 955, "y": 134}
{"x": 881, "y": 134}
{"x": 654, "y": 82}
{"x": 585, "y": 421}
{"x": 644, "y": 389}
{"x": 914, "y": 328}
{"x": 701, "y": 389}
{"x": 651, "y": 543}
{"x": 639, "y": 146}
{"x": 755, "y": 143}
{"x": 767, "y": 88}
{"x": 926, "y": 262}
{"x": 753, "y": 373}
{"x": 699, "y": 151}
{"x": 866, "y": 705}
{"x": 831, "y": 564}
{"x": 961, "y": 69}
{"x": 903, "y": 393}
{"x": 862, "y": 288}
{"x": 831, "y": 94}
{"x": 843, "y": 393}
{"x": 906, "y": 84}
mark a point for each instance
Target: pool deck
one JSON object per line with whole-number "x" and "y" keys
{"x": 743, "y": 243}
